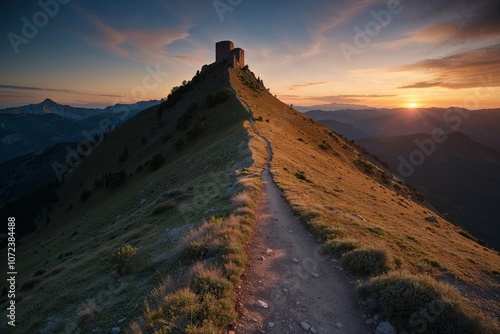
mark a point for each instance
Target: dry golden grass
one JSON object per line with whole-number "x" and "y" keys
{"x": 321, "y": 177}
{"x": 347, "y": 204}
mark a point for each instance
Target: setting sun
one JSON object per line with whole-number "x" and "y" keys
{"x": 412, "y": 105}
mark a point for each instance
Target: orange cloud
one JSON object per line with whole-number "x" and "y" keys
{"x": 138, "y": 44}
{"x": 479, "y": 67}
{"x": 309, "y": 84}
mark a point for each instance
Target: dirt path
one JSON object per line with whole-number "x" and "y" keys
{"x": 288, "y": 272}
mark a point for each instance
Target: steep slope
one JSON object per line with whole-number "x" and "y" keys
{"x": 344, "y": 129}
{"x": 461, "y": 178}
{"x": 178, "y": 186}
{"x": 66, "y": 276}
{"x": 350, "y": 203}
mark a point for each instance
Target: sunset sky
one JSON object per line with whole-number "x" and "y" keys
{"x": 370, "y": 52}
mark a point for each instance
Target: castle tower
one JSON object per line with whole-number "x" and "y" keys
{"x": 223, "y": 50}
{"x": 237, "y": 58}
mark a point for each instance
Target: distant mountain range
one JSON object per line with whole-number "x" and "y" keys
{"x": 35, "y": 127}
{"x": 333, "y": 106}
{"x": 460, "y": 169}
{"x": 461, "y": 178}
{"x": 480, "y": 125}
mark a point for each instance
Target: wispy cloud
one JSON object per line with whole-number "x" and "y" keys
{"x": 197, "y": 58}
{"x": 333, "y": 15}
{"x": 448, "y": 22}
{"x": 336, "y": 98}
{"x": 309, "y": 84}
{"x": 146, "y": 44}
{"x": 68, "y": 91}
{"x": 347, "y": 98}
{"x": 460, "y": 20}
{"x": 460, "y": 70}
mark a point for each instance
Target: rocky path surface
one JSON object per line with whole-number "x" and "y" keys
{"x": 290, "y": 286}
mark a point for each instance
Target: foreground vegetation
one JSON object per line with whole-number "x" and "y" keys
{"x": 161, "y": 249}
{"x": 405, "y": 254}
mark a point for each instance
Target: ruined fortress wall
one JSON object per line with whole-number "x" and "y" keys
{"x": 239, "y": 57}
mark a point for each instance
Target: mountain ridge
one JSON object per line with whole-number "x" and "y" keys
{"x": 185, "y": 198}
{"x": 35, "y": 127}
{"x": 460, "y": 175}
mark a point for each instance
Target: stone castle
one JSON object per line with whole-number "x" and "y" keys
{"x": 225, "y": 51}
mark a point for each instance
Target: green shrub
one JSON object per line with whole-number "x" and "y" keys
{"x": 29, "y": 283}
{"x": 197, "y": 128}
{"x": 122, "y": 257}
{"x": 163, "y": 207}
{"x": 117, "y": 179}
{"x": 85, "y": 195}
{"x": 157, "y": 161}
{"x": 211, "y": 281}
{"x": 123, "y": 156}
{"x": 366, "y": 262}
{"x": 301, "y": 176}
{"x": 39, "y": 272}
{"x": 181, "y": 305}
{"x": 219, "y": 312}
{"x": 368, "y": 167}
{"x": 221, "y": 97}
{"x": 420, "y": 304}
{"x": 340, "y": 247}
{"x": 183, "y": 120}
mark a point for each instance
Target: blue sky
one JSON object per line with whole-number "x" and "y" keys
{"x": 371, "y": 52}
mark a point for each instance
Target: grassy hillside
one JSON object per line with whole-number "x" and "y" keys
{"x": 359, "y": 210}
{"x": 461, "y": 178}
{"x": 150, "y": 231}
{"x": 67, "y": 280}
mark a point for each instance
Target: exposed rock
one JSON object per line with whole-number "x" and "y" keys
{"x": 315, "y": 275}
{"x": 431, "y": 219}
{"x": 261, "y": 303}
{"x": 142, "y": 202}
{"x": 385, "y": 328}
{"x": 271, "y": 324}
{"x": 370, "y": 322}
{"x": 313, "y": 330}
{"x": 371, "y": 303}
{"x": 376, "y": 316}
{"x": 295, "y": 260}
{"x": 122, "y": 320}
{"x": 339, "y": 324}
{"x": 305, "y": 326}
{"x": 359, "y": 216}
{"x": 115, "y": 330}
{"x": 269, "y": 251}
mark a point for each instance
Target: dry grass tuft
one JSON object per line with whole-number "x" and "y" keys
{"x": 417, "y": 303}
{"x": 367, "y": 262}
{"x": 88, "y": 310}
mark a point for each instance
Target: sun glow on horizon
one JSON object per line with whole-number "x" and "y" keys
{"x": 412, "y": 105}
